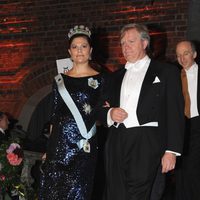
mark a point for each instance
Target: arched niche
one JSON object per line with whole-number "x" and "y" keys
{"x": 30, "y": 106}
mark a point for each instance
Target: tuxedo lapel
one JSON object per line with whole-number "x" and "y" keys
{"x": 198, "y": 90}
{"x": 118, "y": 82}
{"x": 148, "y": 81}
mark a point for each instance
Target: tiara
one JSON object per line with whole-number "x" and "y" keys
{"x": 81, "y": 29}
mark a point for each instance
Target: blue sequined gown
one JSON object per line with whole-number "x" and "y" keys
{"x": 68, "y": 171}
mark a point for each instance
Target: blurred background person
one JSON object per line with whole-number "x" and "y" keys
{"x": 4, "y": 136}
{"x": 4, "y": 122}
{"x": 188, "y": 173}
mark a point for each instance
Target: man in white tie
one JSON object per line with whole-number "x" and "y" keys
{"x": 188, "y": 175}
{"x": 145, "y": 117}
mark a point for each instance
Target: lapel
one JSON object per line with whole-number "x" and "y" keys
{"x": 151, "y": 73}
{"x": 198, "y": 89}
{"x": 118, "y": 81}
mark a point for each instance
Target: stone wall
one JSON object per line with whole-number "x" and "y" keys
{"x": 34, "y": 35}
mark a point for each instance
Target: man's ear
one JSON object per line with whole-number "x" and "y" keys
{"x": 194, "y": 54}
{"x": 145, "y": 43}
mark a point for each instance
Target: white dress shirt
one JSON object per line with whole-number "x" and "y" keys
{"x": 130, "y": 92}
{"x": 192, "y": 76}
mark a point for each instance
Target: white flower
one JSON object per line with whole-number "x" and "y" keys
{"x": 93, "y": 83}
{"x": 87, "y": 108}
{"x": 12, "y": 147}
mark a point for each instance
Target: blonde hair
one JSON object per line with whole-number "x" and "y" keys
{"x": 142, "y": 30}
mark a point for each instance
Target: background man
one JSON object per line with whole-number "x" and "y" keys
{"x": 3, "y": 127}
{"x": 188, "y": 176}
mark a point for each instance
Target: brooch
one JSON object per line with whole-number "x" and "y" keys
{"x": 93, "y": 83}
{"x": 87, "y": 109}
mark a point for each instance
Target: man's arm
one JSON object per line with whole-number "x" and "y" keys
{"x": 174, "y": 119}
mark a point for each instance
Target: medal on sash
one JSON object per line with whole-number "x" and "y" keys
{"x": 86, "y": 147}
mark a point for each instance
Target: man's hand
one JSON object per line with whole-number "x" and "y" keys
{"x": 168, "y": 162}
{"x": 118, "y": 115}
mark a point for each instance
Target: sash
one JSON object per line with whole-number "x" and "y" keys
{"x": 76, "y": 114}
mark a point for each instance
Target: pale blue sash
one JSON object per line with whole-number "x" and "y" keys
{"x": 75, "y": 112}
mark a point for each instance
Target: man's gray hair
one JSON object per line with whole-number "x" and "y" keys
{"x": 142, "y": 30}
{"x": 193, "y": 46}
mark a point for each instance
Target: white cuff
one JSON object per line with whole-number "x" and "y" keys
{"x": 177, "y": 154}
{"x": 110, "y": 122}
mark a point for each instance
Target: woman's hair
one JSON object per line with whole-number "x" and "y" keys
{"x": 79, "y": 31}
{"x": 80, "y": 35}
{"x": 84, "y": 32}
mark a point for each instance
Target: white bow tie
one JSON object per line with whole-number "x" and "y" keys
{"x": 128, "y": 65}
{"x": 135, "y": 66}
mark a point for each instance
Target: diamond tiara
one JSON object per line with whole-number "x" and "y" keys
{"x": 81, "y": 29}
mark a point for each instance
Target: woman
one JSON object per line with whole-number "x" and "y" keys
{"x": 71, "y": 153}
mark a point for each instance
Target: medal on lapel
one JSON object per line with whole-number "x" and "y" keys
{"x": 86, "y": 147}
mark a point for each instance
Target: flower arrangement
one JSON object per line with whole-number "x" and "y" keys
{"x": 11, "y": 163}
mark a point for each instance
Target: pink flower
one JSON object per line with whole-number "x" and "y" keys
{"x": 14, "y": 154}
{"x": 14, "y": 159}
{"x": 2, "y": 178}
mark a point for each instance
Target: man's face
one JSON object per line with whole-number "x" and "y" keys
{"x": 185, "y": 55}
{"x": 4, "y": 122}
{"x": 133, "y": 47}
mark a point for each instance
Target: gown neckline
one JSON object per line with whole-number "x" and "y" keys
{"x": 82, "y": 77}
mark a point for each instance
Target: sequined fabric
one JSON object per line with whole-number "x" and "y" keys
{"x": 68, "y": 171}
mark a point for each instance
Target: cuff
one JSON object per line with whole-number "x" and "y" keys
{"x": 110, "y": 122}
{"x": 176, "y": 153}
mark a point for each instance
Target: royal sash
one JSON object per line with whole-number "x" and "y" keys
{"x": 83, "y": 143}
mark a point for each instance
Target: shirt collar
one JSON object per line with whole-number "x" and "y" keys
{"x": 2, "y": 130}
{"x": 192, "y": 69}
{"x": 137, "y": 65}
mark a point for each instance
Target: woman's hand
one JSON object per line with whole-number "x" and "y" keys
{"x": 106, "y": 105}
{"x": 44, "y": 156}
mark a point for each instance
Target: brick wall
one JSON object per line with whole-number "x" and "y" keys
{"x": 33, "y": 35}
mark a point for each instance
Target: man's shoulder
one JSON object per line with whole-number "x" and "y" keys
{"x": 161, "y": 63}
{"x": 164, "y": 66}
{"x": 120, "y": 69}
